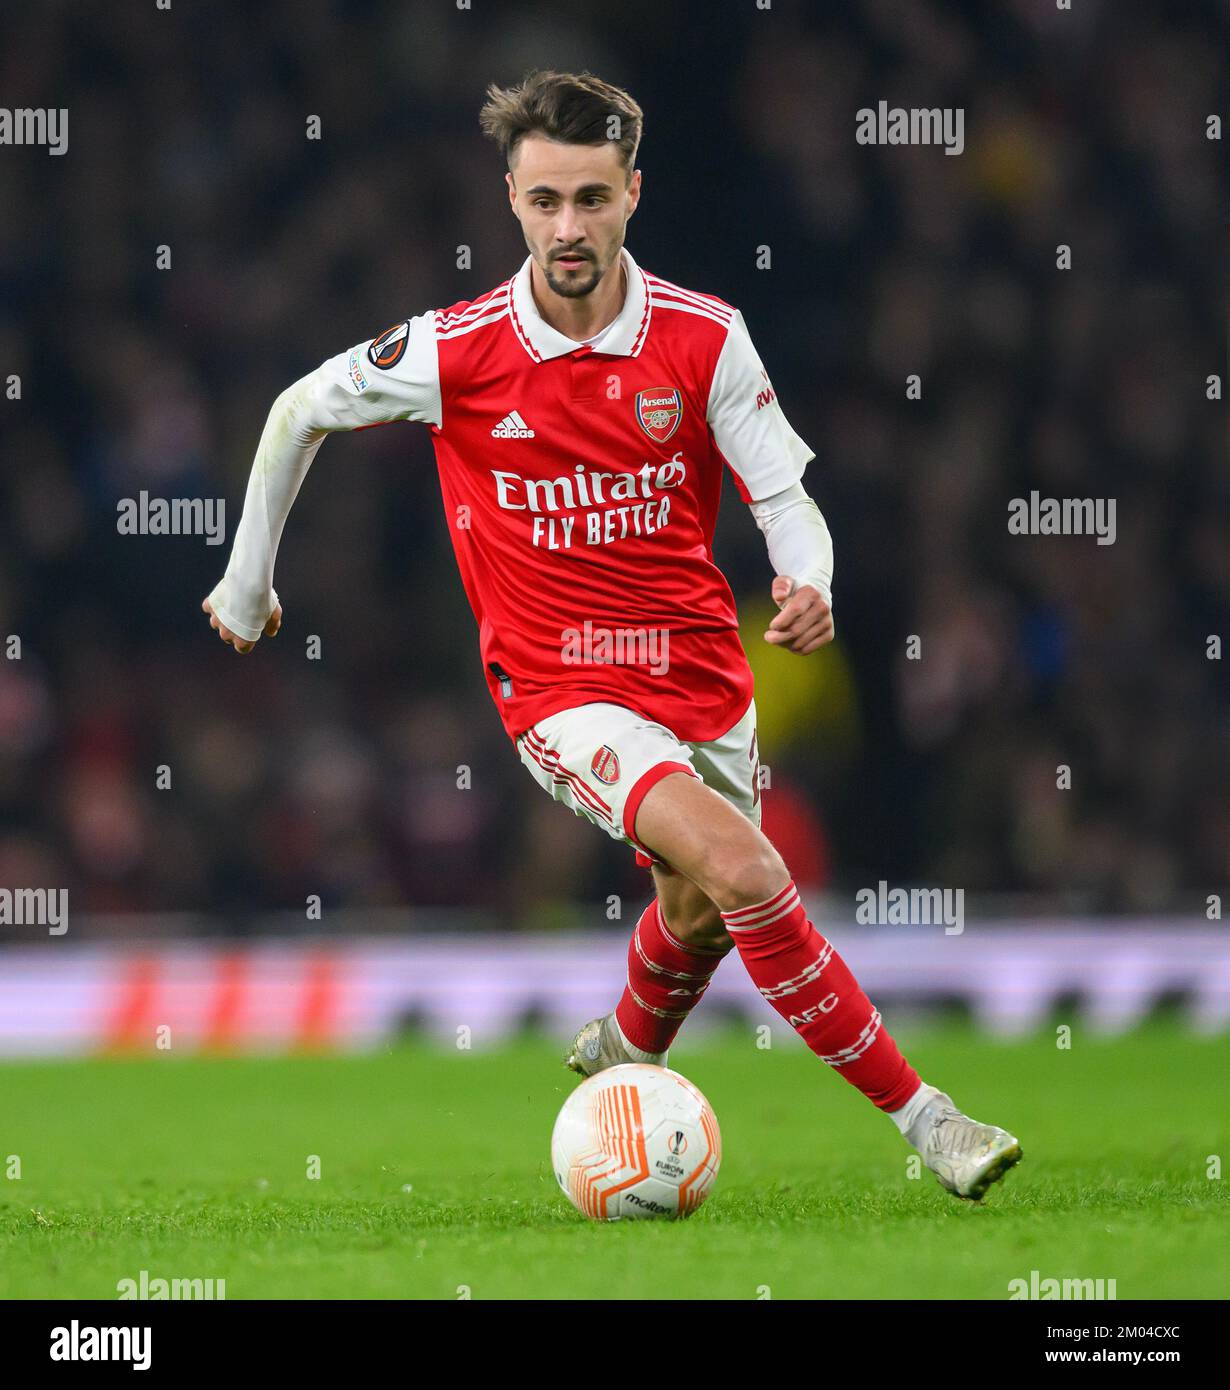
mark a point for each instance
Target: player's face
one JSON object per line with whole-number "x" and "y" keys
{"x": 573, "y": 205}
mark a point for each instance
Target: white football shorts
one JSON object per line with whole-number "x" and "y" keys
{"x": 601, "y": 759}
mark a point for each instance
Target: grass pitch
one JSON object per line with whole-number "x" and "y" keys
{"x": 435, "y": 1176}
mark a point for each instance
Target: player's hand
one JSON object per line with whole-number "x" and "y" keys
{"x": 805, "y": 622}
{"x": 232, "y": 639}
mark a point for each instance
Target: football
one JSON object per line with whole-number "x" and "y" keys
{"x": 636, "y": 1141}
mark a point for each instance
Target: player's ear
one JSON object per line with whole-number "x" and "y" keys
{"x": 512, "y": 191}
{"x": 634, "y": 192}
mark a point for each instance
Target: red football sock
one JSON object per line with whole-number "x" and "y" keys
{"x": 810, "y": 985}
{"x": 665, "y": 981}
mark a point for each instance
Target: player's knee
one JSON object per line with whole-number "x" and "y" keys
{"x": 746, "y": 875}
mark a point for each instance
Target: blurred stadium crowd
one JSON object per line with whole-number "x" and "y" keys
{"x": 338, "y": 776}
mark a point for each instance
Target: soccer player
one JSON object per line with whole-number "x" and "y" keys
{"x": 583, "y": 413}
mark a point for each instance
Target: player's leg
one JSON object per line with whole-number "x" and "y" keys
{"x": 702, "y": 836}
{"x": 676, "y": 946}
{"x": 690, "y": 913}
{"x": 598, "y": 759}
{"x": 681, "y": 940}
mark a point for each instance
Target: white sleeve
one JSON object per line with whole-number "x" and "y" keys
{"x": 749, "y": 426}
{"x": 394, "y": 376}
{"x": 797, "y": 534}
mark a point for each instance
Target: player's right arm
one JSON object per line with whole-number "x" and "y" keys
{"x": 392, "y": 377}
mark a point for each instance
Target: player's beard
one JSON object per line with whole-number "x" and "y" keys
{"x": 578, "y": 284}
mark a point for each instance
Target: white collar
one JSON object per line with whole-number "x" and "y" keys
{"x": 623, "y": 337}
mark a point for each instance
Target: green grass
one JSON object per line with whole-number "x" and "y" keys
{"x": 196, "y": 1168}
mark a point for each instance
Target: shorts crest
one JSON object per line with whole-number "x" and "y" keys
{"x": 605, "y": 765}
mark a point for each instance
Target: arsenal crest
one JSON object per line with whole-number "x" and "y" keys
{"x": 605, "y": 765}
{"x": 659, "y": 411}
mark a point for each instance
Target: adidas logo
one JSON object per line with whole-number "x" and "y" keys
{"x": 512, "y": 426}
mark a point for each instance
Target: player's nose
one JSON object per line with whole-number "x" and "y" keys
{"x": 568, "y": 228}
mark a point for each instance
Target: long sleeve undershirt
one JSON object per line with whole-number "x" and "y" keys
{"x": 245, "y": 597}
{"x": 798, "y": 538}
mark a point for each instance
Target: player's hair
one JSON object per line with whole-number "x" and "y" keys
{"x": 574, "y": 108}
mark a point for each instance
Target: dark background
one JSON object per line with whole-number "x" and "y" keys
{"x": 338, "y": 776}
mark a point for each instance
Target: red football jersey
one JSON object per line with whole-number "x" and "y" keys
{"x": 581, "y": 485}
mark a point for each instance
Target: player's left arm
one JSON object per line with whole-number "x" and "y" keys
{"x": 766, "y": 459}
{"x": 801, "y": 552}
